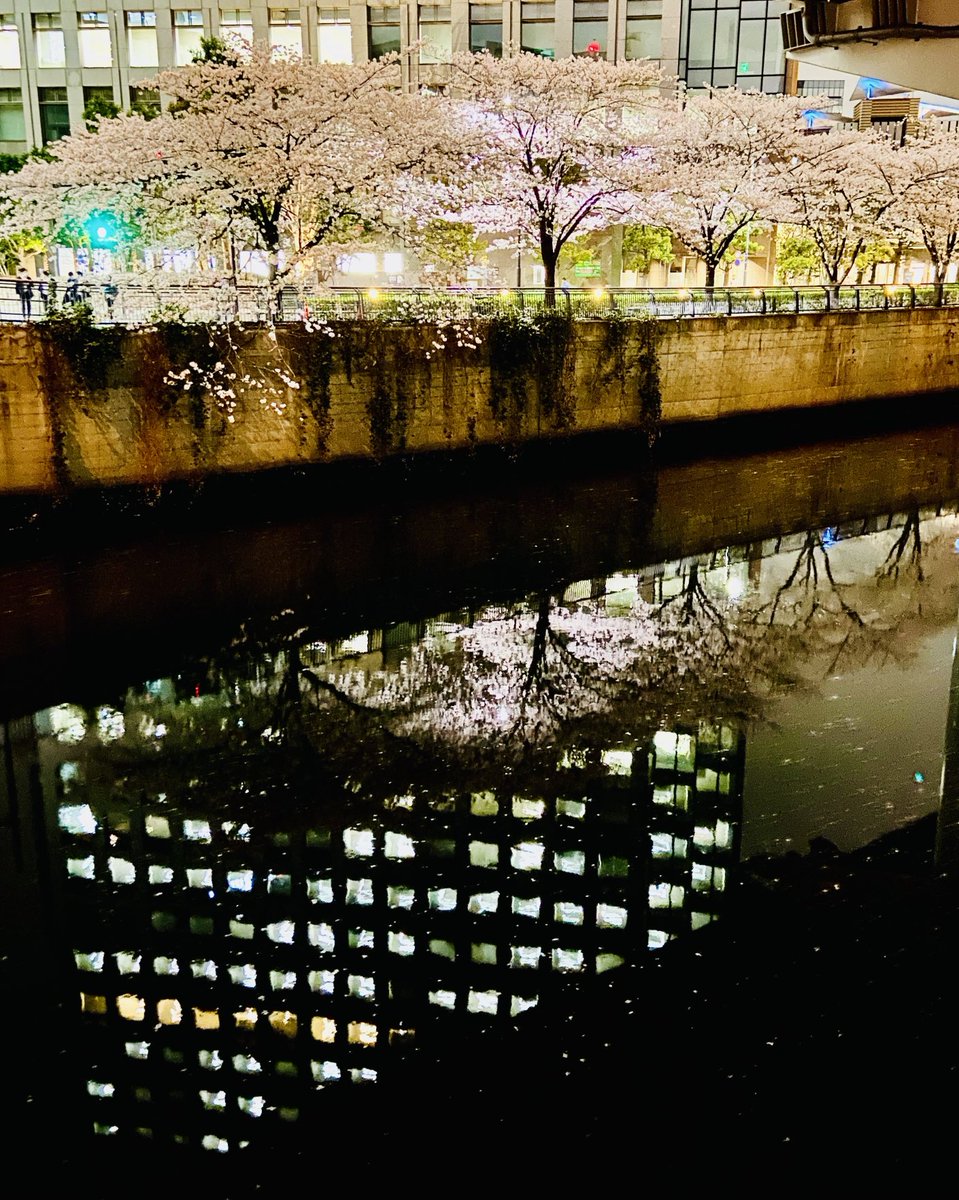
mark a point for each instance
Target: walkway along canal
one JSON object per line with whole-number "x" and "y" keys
{"x": 89, "y": 405}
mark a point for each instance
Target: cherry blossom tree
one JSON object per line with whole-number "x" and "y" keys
{"x": 545, "y": 143}
{"x": 928, "y": 211}
{"x": 717, "y": 163}
{"x": 285, "y": 156}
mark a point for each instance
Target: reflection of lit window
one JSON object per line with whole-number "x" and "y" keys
{"x": 282, "y": 932}
{"x": 246, "y": 1064}
{"x": 528, "y": 810}
{"x": 570, "y": 862}
{"x": 699, "y": 919}
{"x": 618, "y": 762}
{"x": 665, "y": 895}
{"x": 322, "y": 937}
{"x": 398, "y": 845}
{"x": 483, "y": 804}
{"x": 519, "y": 1004}
{"x": 567, "y": 960}
{"x": 400, "y": 897}
{"x": 483, "y": 1002}
{"x": 361, "y": 1033}
{"x": 322, "y": 982}
{"x": 252, "y": 1105}
{"x": 526, "y": 906}
{"x": 131, "y": 1008}
{"x": 484, "y": 854}
{"x": 359, "y": 891}
{"x": 361, "y": 986}
{"x": 81, "y": 868}
{"x": 525, "y": 956}
{"x": 571, "y": 808}
{"x": 443, "y": 899}
{"x": 243, "y": 975}
{"x": 284, "y": 1022}
{"x": 92, "y": 961}
{"x": 77, "y": 818}
{"x": 568, "y": 913}
{"x": 610, "y": 916}
{"x": 527, "y": 856}
{"x": 206, "y": 1018}
{"x": 401, "y": 943}
{"x": 320, "y": 890}
{"x": 358, "y": 842}
{"x": 606, "y": 962}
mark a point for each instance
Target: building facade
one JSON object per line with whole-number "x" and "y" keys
{"x": 56, "y": 58}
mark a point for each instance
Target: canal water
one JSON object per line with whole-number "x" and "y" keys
{"x": 534, "y": 824}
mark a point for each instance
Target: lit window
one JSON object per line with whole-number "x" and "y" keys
{"x": 197, "y": 831}
{"x": 142, "y": 39}
{"x": 239, "y": 881}
{"x": 95, "y": 51}
{"x": 206, "y": 1018}
{"x": 528, "y": 810}
{"x": 320, "y": 891}
{"x": 484, "y": 902}
{"x": 400, "y": 897}
{"x": 203, "y": 968}
{"x": 361, "y": 939}
{"x": 362, "y": 987}
{"x": 526, "y": 906}
{"x": 128, "y": 962}
{"x": 100, "y": 1090}
{"x": 325, "y": 1072}
{"x": 609, "y": 916}
{"x": 281, "y": 981}
{"x": 443, "y": 899}
{"x": 567, "y": 960}
{"x": 199, "y": 877}
{"x": 618, "y": 762}
{"x": 282, "y": 932}
{"x": 48, "y": 34}
{"x": 243, "y": 975}
{"x": 335, "y": 35}
{"x": 570, "y": 862}
{"x": 81, "y": 868}
{"x": 9, "y": 43}
{"x": 92, "y": 1004}
{"x": 656, "y": 939}
{"x": 156, "y": 827}
{"x": 246, "y": 1064}
{"x": 442, "y": 947}
{"x": 322, "y": 937}
{"x": 285, "y": 31}
{"x": 160, "y": 875}
{"x": 137, "y": 1050}
{"x": 239, "y": 929}
{"x": 77, "y": 818}
{"x": 246, "y": 1018}
{"x": 571, "y": 808}
{"x": 89, "y": 961}
{"x": 187, "y": 35}
{"x": 526, "y": 956}
{"x": 443, "y": 998}
{"x": 398, "y": 845}
{"x": 322, "y": 982}
{"x": 209, "y": 1060}
{"x": 606, "y": 962}
{"x": 323, "y": 1029}
{"x": 215, "y": 1101}
{"x": 483, "y": 952}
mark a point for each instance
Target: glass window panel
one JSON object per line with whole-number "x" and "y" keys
{"x": 773, "y": 57}
{"x": 727, "y": 31}
{"x": 750, "y": 47}
{"x": 142, "y": 46}
{"x": 9, "y": 45}
{"x": 644, "y": 37}
{"x": 12, "y": 126}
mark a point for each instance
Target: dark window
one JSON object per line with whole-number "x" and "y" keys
{"x": 54, "y": 114}
{"x": 383, "y": 26}
{"x": 486, "y": 28}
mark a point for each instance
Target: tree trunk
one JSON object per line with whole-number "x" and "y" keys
{"x": 710, "y": 275}
{"x": 549, "y": 254}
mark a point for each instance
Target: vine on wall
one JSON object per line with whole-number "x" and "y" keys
{"x": 630, "y": 351}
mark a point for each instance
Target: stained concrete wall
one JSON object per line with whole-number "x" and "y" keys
{"x": 401, "y": 394}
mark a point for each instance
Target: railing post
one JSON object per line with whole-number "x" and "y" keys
{"x": 729, "y": 303}
{"x": 858, "y": 298}
{"x": 762, "y": 297}
{"x": 828, "y": 300}
{"x": 796, "y": 294}
{"x": 912, "y": 295}
{"x": 360, "y": 306}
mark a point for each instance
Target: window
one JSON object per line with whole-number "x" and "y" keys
{"x": 383, "y": 27}
{"x": 436, "y": 33}
{"x": 285, "y": 31}
{"x": 486, "y": 28}
{"x": 142, "y": 39}
{"x": 591, "y": 27}
{"x": 187, "y": 34}
{"x": 12, "y": 127}
{"x": 9, "y": 44}
{"x": 50, "y": 51}
{"x": 760, "y": 60}
{"x": 94, "y": 36}
{"x": 54, "y": 116}
{"x": 538, "y": 30}
{"x": 644, "y": 29}
{"x": 236, "y": 27}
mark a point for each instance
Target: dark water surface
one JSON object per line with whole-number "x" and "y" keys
{"x": 537, "y": 825}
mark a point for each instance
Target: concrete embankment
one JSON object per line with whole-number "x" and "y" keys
{"x": 108, "y": 407}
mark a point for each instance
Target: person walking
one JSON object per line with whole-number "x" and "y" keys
{"x": 24, "y": 290}
{"x": 110, "y": 292}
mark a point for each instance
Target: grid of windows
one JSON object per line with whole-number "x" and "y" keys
{"x": 729, "y": 42}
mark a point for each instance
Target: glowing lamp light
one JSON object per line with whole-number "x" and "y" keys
{"x": 890, "y": 289}
{"x": 735, "y": 587}
{"x": 757, "y": 292}
{"x": 919, "y": 777}
{"x": 598, "y": 293}
{"x": 373, "y": 294}
{"x": 505, "y": 293}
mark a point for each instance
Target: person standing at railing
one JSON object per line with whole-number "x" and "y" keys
{"x": 24, "y": 289}
{"x": 564, "y": 287}
{"x": 110, "y": 291}
{"x": 47, "y": 291}
{"x": 71, "y": 294}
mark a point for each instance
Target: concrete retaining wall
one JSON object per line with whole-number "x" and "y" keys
{"x": 396, "y": 392}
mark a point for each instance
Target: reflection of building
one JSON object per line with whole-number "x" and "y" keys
{"x": 229, "y": 975}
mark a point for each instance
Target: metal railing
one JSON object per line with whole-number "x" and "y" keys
{"x": 142, "y": 304}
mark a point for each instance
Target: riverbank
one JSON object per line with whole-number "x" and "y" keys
{"x": 110, "y": 408}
